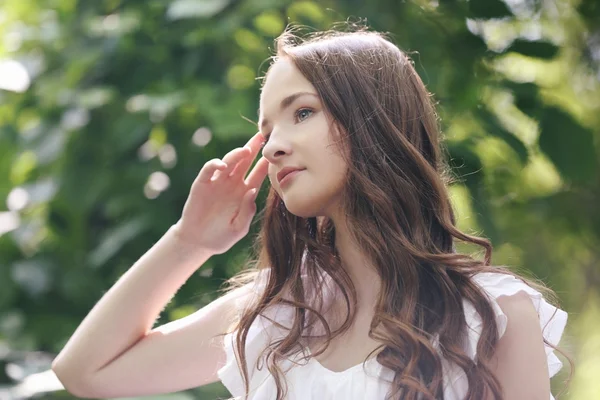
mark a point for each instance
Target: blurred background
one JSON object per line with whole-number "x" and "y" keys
{"x": 108, "y": 110}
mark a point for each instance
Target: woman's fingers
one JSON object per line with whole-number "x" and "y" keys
{"x": 235, "y": 156}
{"x": 254, "y": 145}
{"x": 237, "y": 162}
{"x": 209, "y": 169}
{"x": 247, "y": 210}
{"x": 230, "y": 160}
{"x": 258, "y": 174}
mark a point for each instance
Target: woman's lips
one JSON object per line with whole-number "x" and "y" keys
{"x": 288, "y": 178}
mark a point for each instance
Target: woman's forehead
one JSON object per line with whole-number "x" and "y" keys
{"x": 282, "y": 81}
{"x": 281, "y": 74}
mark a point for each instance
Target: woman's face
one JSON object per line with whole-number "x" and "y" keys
{"x": 293, "y": 120}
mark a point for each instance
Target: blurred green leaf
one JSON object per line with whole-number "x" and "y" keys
{"x": 269, "y": 22}
{"x": 569, "y": 145}
{"x": 240, "y": 77}
{"x": 468, "y": 169}
{"x": 494, "y": 127}
{"x": 23, "y": 167}
{"x": 248, "y": 40}
{"x": 488, "y": 9}
{"x": 8, "y": 289}
{"x": 538, "y": 49}
{"x": 114, "y": 240}
{"x": 526, "y": 97}
{"x": 305, "y": 9}
{"x": 181, "y": 9}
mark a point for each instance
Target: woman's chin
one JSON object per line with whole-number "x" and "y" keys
{"x": 308, "y": 204}
{"x": 300, "y": 209}
{"x": 302, "y": 213}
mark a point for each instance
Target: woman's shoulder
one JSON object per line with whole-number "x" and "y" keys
{"x": 504, "y": 290}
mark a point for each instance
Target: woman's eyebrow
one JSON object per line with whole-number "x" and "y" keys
{"x": 285, "y": 103}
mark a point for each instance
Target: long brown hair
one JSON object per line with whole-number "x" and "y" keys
{"x": 398, "y": 212}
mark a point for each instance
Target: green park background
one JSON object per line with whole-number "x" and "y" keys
{"x": 108, "y": 110}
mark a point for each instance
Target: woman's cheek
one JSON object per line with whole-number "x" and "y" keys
{"x": 271, "y": 173}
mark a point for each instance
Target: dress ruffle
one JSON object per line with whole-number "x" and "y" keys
{"x": 552, "y": 319}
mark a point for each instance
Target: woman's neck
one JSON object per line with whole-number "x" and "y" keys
{"x": 363, "y": 274}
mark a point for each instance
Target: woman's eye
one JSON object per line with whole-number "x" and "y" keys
{"x": 299, "y": 116}
{"x": 303, "y": 113}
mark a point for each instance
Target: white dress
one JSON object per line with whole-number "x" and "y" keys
{"x": 312, "y": 381}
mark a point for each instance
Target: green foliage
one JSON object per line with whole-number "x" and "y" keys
{"x": 544, "y": 50}
{"x": 569, "y": 145}
{"x": 128, "y": 100}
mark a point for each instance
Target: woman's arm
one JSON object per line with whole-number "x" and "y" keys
{"x": 114, "y": 353}
{"x": 521, "y": 363}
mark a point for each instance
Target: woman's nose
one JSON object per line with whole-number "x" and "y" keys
{"x": 276, "y": 147}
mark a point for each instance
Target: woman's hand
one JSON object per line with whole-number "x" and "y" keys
{"x": 221, "y": 203}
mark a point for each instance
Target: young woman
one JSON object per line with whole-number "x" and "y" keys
{"x": 358, "y": 291}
